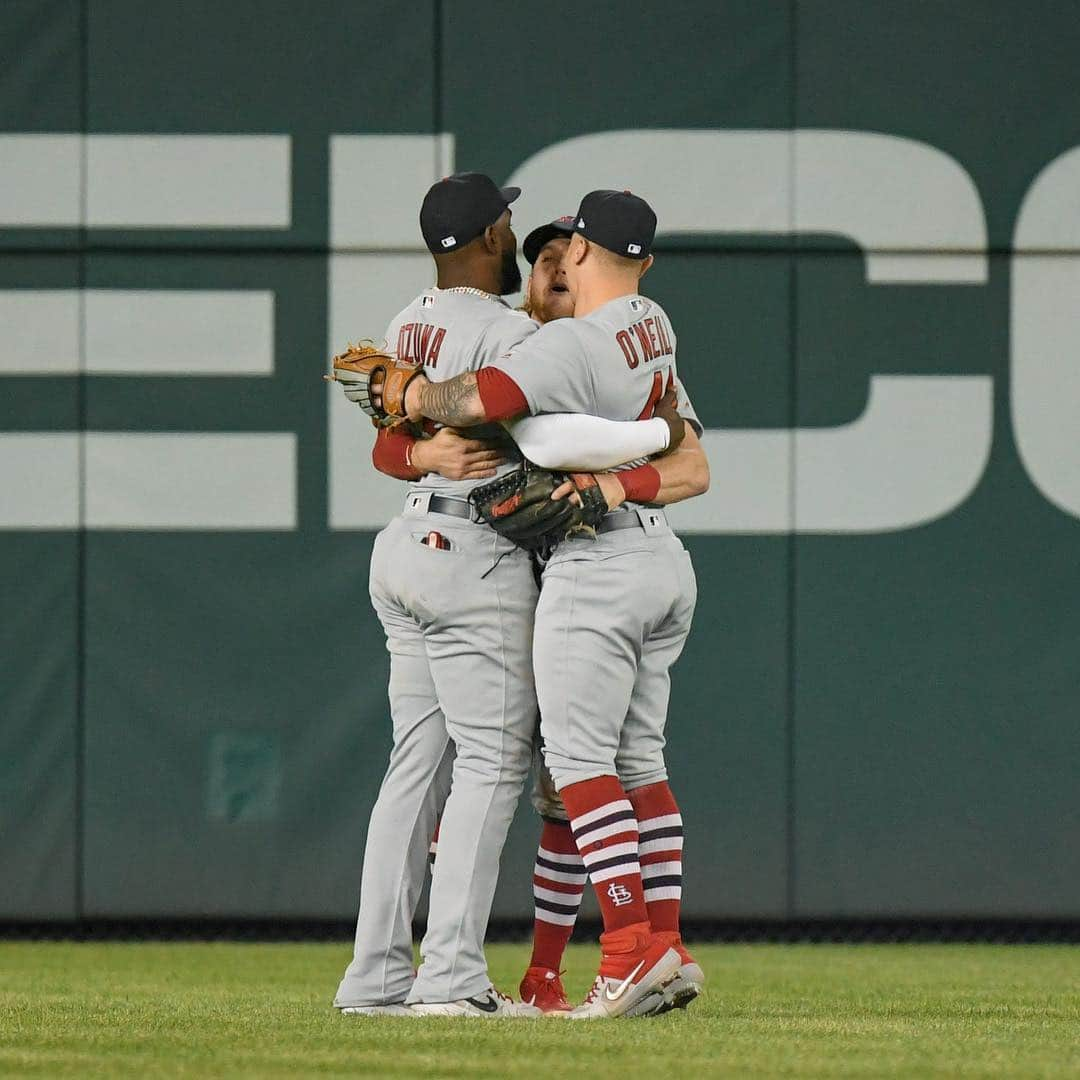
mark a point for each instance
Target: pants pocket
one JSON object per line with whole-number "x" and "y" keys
{"x": 434, "y": 541}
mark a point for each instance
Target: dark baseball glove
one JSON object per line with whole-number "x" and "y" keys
{"x": 519, "y": 506}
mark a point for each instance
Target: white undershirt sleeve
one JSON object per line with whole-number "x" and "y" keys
{"x": 577, "y": 443}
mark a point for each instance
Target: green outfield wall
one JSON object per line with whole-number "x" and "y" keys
{"x": 870, "y": 249}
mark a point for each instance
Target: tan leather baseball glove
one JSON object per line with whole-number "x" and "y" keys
{"x": 375, "y": 380}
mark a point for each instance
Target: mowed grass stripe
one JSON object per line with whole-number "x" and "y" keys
{"x": 179, "y": 1009}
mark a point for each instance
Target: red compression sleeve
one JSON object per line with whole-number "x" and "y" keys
{"x": 392, "y": 454}
{"x": 641, "y": 484}
{"x": 501, "y": 396}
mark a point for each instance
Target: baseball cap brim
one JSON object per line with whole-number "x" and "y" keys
{"x": 509, "y": 194}
{"x": 541, "y": 235}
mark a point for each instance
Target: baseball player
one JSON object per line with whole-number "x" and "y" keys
{"x": 614, "y": 613}
{"x": 559, "y": 873}
{"x": 457, "y": 455}
{"x": 456, "y": 601}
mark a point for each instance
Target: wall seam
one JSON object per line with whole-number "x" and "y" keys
{"x": 437, "y": 92}
{"x": 81, "y": 420}
{"x": 793, "y": 397}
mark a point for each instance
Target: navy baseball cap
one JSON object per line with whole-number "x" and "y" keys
{"x": 459, "y": 208}
{"x": 535, "y": 241}
{"x": 619, "y": 221}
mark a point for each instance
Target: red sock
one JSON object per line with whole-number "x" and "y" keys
{"x": 606, "y": 832}
{"x": 660, "y": 842}
{"x": 433, "y": 847}
{"x": 558, "y": 885}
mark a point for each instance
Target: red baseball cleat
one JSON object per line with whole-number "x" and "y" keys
{"x": 543, "y": 988}
{"x": 635, "y": 966}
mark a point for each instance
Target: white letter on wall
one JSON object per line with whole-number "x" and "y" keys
{"x": 1045, "y": 393}
{"x": 915, "y": 213}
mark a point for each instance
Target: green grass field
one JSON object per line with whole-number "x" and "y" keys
{"x": 770, "y": 1010}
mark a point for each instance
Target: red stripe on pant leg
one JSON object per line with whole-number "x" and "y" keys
{"x": 556, "y": 836}
{"x": 660, "y": 856}
{"x": 558, "y": 886}
{"x": 596, "y": 848}
{"x": 653, "y": 800}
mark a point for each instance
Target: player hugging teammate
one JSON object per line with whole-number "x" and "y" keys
{"x": 475, "y": 642}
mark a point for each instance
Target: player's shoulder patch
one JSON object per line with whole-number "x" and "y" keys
{"x": 637, "y": 304}
{"x": 427, "y": 300}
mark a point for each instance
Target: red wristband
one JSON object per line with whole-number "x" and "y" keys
{"x": 641, "y": 484}
{"x": 392, "y": 454}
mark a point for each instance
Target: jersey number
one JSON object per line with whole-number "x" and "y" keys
{"x": 657, "y": 392}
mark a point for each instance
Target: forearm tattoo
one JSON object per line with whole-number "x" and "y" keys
{"x": 455, "y": 402}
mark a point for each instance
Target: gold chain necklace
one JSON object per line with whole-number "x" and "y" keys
{"x": 468, "y": 290}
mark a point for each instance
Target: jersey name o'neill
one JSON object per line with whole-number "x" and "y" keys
{"x": 646, "y": 339}
{"x": 615, "y": 362}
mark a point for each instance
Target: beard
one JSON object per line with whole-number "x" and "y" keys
{"x": 509, "y": 274}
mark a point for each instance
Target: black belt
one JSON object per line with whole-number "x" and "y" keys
{"x": 624, "y": 520}
{"x": 619, "y": 521}
{"x": 441, "y": 504}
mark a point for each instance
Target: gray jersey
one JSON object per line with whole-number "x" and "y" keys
{"x": 451, "y": 332}
{"x": 615, "y": 362}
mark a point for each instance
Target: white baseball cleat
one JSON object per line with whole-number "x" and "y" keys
{"x": 398, "y": 1009}
{"x": 688, "y": 983}
{"x": 490, "y": 1005}
{"x": 635, "y": 967}
{"x": 677, "y": 993}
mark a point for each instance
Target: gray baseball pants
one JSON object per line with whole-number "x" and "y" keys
{"x": 613, "y": 616}
{"x": 459, "y": 629}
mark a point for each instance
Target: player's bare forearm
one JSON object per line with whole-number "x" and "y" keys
{"x": 455, "y": 456}
{"x": 455, "y": 402}
{"x": 683, "y": 473}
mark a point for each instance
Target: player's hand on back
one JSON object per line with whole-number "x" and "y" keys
{"x": 667, "y": 408}
{"x": 454, "y": 456}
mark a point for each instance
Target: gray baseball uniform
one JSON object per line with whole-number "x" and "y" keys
{"x": 458, "y": 626}
{"x": 614, "y": 612}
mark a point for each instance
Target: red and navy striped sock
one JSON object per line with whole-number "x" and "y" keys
{"x": 606, "y": 832}
{"x": 660, "y": 845}
{"x": 558, "y": 885}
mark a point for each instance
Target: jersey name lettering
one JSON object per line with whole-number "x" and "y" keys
{"x": 646, "y": 339}
{"x": 420, "y": 343}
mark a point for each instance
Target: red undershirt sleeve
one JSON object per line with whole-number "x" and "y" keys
{"x": 392, "y": 453}
{"x": 500, "y": 395}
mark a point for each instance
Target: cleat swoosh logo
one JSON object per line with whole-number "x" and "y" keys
{"x": 621, "y": 989}
{"x": 486, "y": 1004}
